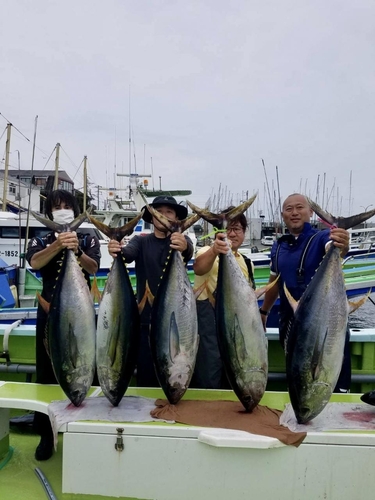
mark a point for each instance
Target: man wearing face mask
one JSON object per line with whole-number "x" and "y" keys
{"x": 45, "y": 254}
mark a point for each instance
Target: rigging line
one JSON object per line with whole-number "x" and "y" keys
{"x": 71, "y": 161}
{"x": 15, "y": 128}
{"x": 54, "y": 149}
{"x": 78, "y": 169}
{"x": 5, "y": 129}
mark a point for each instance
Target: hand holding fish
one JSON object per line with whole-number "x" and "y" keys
{"x": 68, "y": 240}
{"x": 221, "y": 244}
{"x": 340, "y": 239}
{"x": 114, "y": 247}
{"x": 178, "y": 242}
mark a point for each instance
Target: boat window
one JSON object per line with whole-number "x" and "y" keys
{"x": 10, "y": 232}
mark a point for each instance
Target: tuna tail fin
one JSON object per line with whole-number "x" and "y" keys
{"x": 116, "y": 233}
{"x": 60, "y": 228}
{"x": 45, "y": 305}
{"x": 353, "y": 306}
{"x": 175, "y": 225}
{"x": 235, "y": 212}
{"x": 214, "y": 219}
{"x": 343, "y": 222}
{"x": 293, "y": 303}
{"x": 95, "y": 292}
{"x": 217, "y": 220}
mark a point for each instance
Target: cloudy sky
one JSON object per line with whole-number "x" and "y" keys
{"x": 213, "y": 87}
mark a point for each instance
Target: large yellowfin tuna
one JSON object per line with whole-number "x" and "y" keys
{"x": 71, "y": 323}
{"x": 117, "y": 334}
{"x": 241, "y": 337}
{"x": 174, "y": 325}
{"x": 316, "y": 340}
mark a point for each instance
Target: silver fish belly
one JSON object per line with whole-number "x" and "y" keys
{"x": 174, "y": 329}
{"x": 242, "y": 341}
{"x": 117, "y": 333}
{"x": 71, "y": 331}
{"x": 315, "y": 344}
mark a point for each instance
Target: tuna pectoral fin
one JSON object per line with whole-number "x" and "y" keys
{"x": 95, "y": 292}
{"x": 73, "y": 347}
{"x": 353, "y": 306}
{"x": 174, "y": 338}
{"x": 239, "y": 342}
{"x": 316, "y": 360}
{"x": 45, "y": 305}
{"x": 261, "y": 291}
{"x": 113, "y": 342}
{"x": 293, "y": 303}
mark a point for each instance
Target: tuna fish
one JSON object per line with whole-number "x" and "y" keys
{"x": 316, "y": 340}
{"x": 71, "y": 323}
{"x": 117, "y": 335}
{"x": 369, "y": 397}
{"x": 242, "y": 341}
{"x": 174, "y": 325}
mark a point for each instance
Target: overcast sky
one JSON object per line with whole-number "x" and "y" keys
{"x": 214, "y": 86}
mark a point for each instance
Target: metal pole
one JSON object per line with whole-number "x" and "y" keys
{"x": 7, "y": 149}
{"x": 84, "y": 182}
{"x": 57, "y": 161}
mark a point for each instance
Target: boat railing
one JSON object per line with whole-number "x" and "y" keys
{"x": 358, "y": 257}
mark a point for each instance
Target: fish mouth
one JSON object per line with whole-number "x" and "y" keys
{"x": 175, "y": 394}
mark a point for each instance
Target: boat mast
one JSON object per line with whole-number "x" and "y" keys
{"x": 7, "y": 150}
{"x": 84, "y": 182}
{"x": 57, "y": 161}
{"x": 29, "y": 202}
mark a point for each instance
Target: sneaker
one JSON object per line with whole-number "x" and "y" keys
{"x": 44, "y": 449}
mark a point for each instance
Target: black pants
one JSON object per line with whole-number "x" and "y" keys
{"x": 146, "y": 375}
{"x": 208, "y": 373}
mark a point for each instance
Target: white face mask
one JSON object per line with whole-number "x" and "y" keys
{"x": 63, "y": 216}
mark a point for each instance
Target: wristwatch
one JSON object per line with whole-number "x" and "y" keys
{"x": 263, "y": 312}
{"x": 79, "y": 253}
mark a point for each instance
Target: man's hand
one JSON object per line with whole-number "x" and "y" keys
{"x": 114, "y": 247}
{"x": 221, "y": 244}
{"x": 68, "y": 240}
{"x": 340, "y": 239}
{"x": 178, "y": 242}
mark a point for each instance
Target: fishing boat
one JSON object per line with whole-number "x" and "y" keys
{"x": 103, "y": 459}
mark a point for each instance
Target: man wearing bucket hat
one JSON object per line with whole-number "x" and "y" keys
{"x": 150, "y": 253}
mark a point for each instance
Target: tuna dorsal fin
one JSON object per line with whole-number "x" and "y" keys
{"x": 174, "y": 338}
{"x": 239, "y": 342}
{"x": 316, "y": 360}
{"x": 45, "y": 305}
{"x": 95, "y": 292}
{"x": 116, "y": 233}
{"x": 353, "y": 306}
{"x": 293, "y": 303}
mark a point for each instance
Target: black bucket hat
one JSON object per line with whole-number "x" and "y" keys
{"x": 180, "y": 210}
